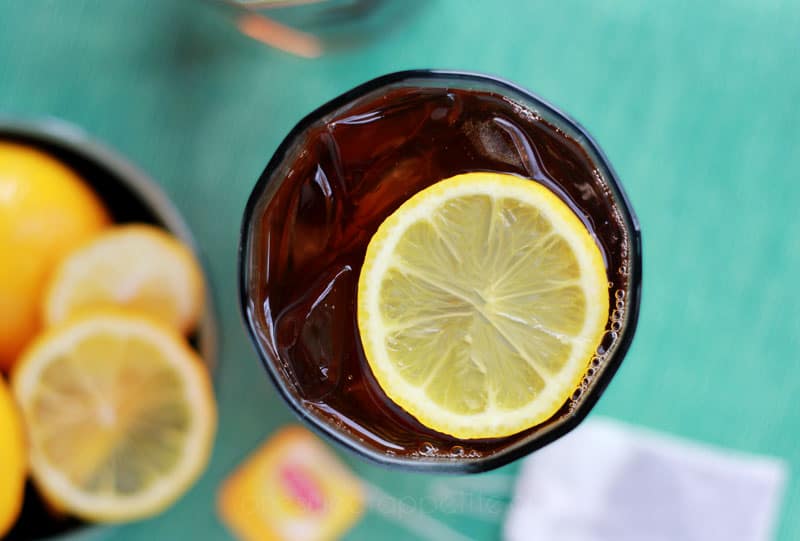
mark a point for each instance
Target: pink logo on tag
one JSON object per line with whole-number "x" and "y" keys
{"x": 302, "y": 487}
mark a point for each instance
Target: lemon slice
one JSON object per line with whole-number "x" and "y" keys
{"x": 136, "y": 266}
{"x": 120, "y": 415}
{"x": 480, "y": 304}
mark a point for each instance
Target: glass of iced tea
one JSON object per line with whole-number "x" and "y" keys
{"x": 440, "y": 271}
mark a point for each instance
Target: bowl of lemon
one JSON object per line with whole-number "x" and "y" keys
{"x": 107, "y": 339}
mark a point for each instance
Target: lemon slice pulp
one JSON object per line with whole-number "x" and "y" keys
{"x": 480, "y": 304}
{"x": 120, "y": 415}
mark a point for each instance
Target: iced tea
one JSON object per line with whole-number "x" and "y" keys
{"x": 330, "y": 186}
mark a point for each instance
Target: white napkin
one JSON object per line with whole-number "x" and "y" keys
{"x": 606, "y": 481}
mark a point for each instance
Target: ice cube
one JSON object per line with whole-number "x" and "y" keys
{"x": 313, "y": 213}
{"x": 493, "y": 141}
{"x": 316, "y": 333}
{"x": 368, "y": 135}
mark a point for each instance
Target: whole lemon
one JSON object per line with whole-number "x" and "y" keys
{"x": 46, "y": 210}
{"x": 12, "y": 461}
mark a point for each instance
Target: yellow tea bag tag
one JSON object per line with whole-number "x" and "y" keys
{"x": 291, "y": 489}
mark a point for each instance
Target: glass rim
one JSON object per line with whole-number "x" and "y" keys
{"x": 598, "y": 385}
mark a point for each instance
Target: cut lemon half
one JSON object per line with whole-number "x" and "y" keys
{"x": 13, "y": 461}
{"x": 120, "y": 415}
{"x": 480, "y": 304}
{"x": 137, "y": 266}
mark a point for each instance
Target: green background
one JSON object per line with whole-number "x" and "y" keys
{"x": 697, "y": 104}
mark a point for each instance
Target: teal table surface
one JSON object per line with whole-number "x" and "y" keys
{"x": 695, "y": 103}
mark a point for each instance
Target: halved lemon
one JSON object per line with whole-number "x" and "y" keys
{"x": 46, "y": 211}
{"x": 480, "y": 304}
{"x": 120, "y": 415}
{"x": 13, "y": 461}
{"x": 140, "y": 267}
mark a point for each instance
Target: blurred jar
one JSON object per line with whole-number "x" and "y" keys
{"x": 311, "y": 27}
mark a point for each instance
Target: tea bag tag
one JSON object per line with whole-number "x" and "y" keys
{"x": 607, "y": 481}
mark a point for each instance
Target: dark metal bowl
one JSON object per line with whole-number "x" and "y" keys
{"x": 130, "y": 196}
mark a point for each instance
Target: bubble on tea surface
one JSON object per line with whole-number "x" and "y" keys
{"x": 609, "y": 337}
{"x": 522, "y": 111}
{"x": 427, "y": 449}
